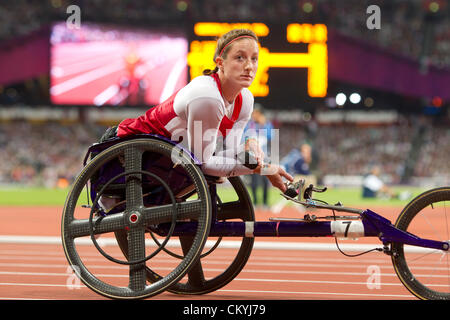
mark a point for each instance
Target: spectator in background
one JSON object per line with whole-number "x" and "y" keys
{"x": 261, "y": 129}
{"x": 297, "y": 163}
{"x": 373, "y": 186}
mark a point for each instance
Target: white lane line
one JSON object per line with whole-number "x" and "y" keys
{"x": 273, "y": 272}
{"x": 234, "y": 280}
{"x": 398, "y": 284}
{"x": 223, "y": 257}
{"x": 315, "y": 281}
{"x": 84, "y": 78}
{"x": 207, "y": 269}
{"x": 251, "y": 271}
{"x": 9, "y": 298}
{"x": 106, "y": 94}
{"x": 32, "y": 284}
{"x": 319, "y": 293}
{"x": 209, "y": 262}
{"x": 172, "y": 79}
{"x": 239, "y": 291}
{"x": 56, "y": 274}
{"x": 37, "y": 274}
{"x": 220, "y": 262}
{"x": 80, "y": 66}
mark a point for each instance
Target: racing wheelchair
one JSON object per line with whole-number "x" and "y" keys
{"x": 152, "y": 197}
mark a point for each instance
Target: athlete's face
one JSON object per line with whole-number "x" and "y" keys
{"x": 241, "y": 62}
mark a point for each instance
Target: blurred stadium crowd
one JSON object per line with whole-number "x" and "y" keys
{"x": 52, "y": 153}
{"x": 43, "y": 153}
{"x": 404, "y": 30}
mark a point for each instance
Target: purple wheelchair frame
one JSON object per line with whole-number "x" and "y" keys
{"x": 373, "y": 224}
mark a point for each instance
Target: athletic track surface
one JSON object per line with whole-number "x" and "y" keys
{"x": 33, "y": 265}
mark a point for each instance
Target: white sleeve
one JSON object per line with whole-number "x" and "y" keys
{"x": 233, "y": 143}
{"x": 203, "y": 120}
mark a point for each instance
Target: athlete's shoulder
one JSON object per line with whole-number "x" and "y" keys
{"x": 204, "y": 81}
{"x": 247, "y": 103}
{"x": 203, "y": 87}
{"x": 247, "y": 95}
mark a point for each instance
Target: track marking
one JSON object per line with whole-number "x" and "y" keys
{"x": 268, "y": 245}
{"x": 172, "y": 79}
{"x": 35, "y": 284}
{"x": 85, "y": 78}
{"x": 399, "y": 284}
{"x": 364, "y": 274}
{"x": 220, "y": 262}
{"x": 384, "y": 260}
{"x": 318, "y": 293}
{"x": 265, "y": 292}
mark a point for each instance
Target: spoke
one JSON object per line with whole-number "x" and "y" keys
{"x": 426, "y": 254}
{"x": 133, "y": 163}
{"x": 136, "y": 251}
{"x": 432, "y": 227}
{"x": 196, "y": 276}
{"x": 164, "y": 213}
{"x": 80, "y": 227}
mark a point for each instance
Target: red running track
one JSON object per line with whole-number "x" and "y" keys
{"x": 33, "y": 266}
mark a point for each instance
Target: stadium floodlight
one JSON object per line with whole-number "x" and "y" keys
{"x": 340, "y": 99}
{"x": 355, "y": 98}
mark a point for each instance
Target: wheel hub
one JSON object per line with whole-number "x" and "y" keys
{"x": 134, "y": 217}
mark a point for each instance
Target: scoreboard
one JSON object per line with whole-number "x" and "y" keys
{"x": 293, "y": 58}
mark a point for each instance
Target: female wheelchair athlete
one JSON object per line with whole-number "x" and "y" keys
{"x": 147, "y": 185}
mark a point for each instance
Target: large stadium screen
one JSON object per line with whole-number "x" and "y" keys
{"x": 103, "y": 65}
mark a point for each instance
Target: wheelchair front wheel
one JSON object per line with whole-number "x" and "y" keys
{"x": 425, "y": 272}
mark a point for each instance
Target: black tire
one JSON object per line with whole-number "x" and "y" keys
{"x": 426, "y": 216}
{"x": 197, "y": 283}
{"x": 131, "y": 154}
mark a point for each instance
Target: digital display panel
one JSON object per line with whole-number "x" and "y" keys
{"x": 110, "y": 65}
{"x": 293, "y": 58}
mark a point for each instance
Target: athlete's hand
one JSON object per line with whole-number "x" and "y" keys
{"x": 275, "y": 174}
{"x": 252, "y": 145}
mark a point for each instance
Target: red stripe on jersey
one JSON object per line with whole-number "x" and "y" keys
{"x": 227, "y": 123}
{"x": 153, "y": 120}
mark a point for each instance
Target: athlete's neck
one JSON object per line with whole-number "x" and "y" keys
{"x": 229, "y": 90}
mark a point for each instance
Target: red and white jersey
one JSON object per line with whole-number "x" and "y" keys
{"x": 204, "y": 122}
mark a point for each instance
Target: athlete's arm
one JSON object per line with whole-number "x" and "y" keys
{"x": 203, "y": 120}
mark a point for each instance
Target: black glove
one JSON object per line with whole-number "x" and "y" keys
{"x": 110, "y": 133}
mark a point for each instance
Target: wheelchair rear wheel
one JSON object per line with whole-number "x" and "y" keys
{"x": 133, "y": 185}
